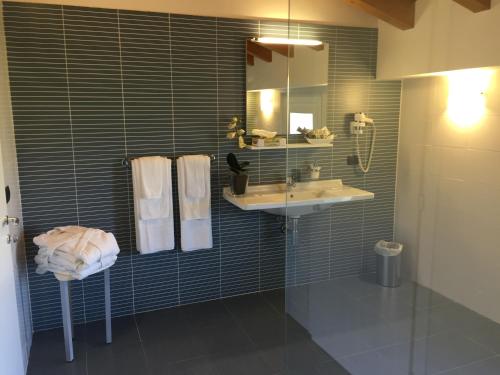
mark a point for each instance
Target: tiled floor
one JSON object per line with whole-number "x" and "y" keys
{"x": 368, "y": 329}
{"x": 242, "y": 335}
{"x": 373, "y": 330}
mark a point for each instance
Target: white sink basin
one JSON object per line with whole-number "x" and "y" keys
{"x": 305, "y": 198}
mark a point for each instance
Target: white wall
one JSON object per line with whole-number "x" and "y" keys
{"x": 446, "y": 37}
{"x": 334, "y": 12}
{"x": 9, "y": 160}
{"x": 448, "y": 195}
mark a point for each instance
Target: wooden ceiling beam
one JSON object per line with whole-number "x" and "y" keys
{"x": 250, "y": 59}
{"x": 475, "y": 5}
{"x": 399, "y": 13}
{"x": 259, "y": 51}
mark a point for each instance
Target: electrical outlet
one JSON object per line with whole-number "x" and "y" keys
{"x": 352, "y": 160}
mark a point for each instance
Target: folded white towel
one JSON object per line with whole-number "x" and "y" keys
{"x": 64, "y": 274}
{"x": 196, "y": 222}
{"x": 154, "y": 221}
{"x": 195, "y": 169}
{"x": 85, "y": 244}
{"x": 193, "y": 208}
{"x": 59, "y": 258}
{"x": 65, "y": 261}
{"x": 153, "y": 208}
{"x": 152, "y": 168}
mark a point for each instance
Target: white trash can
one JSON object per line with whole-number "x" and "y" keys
{"x": 388, "y": 263}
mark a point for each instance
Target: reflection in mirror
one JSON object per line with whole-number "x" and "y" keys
{"x": 266, "y": 82}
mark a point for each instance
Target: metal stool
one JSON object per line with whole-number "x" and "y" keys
{"x": 67, "y": 319}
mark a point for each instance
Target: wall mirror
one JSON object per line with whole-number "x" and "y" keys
{"x": 268, "y": 62}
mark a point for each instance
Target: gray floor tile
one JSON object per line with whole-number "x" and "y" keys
{"x": 300, "y": 356}
{"x": 358, "y": 286}
{"x": 325, "y": 368}
{"x": 48, "y": 356}
{"x": 123, "y": 356}
{"x": 481, "y": 329}
{"x": 359, "y": 333}
{"x": 364, "y": 338}
{"x": 423, "y": 357}
{"x": 195, "y": 366}
{"x": 339, "y": 315}
{"x": 396, "y": 302}
{"x": 367, "y": 328}
{"x": 241, "y": 364}
{"x": 331, "y": 368}
{"x": 222, "y": 339}
{"x": 444, "y": 351}
{"x": 166, "y": 337}
{"x": 246, "y": 308}
{"x": 424, "y": 298}
{"x": 425, "y": 322}
{"x": 389, "y": 361}
{"x": 258, "y": 319}
{"x": 387, "y": 305}
{"x": 205, "y": 314}
{"x": 455, "y": 317}
{"x": 228, "y": 364}
{"x": 489, "y": 366}
{"x": 276, "y": 298}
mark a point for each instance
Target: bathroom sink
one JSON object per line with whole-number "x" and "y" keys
{"x": 303, "y": 199}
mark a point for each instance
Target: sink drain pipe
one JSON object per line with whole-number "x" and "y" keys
{"x": 292, "y": 226}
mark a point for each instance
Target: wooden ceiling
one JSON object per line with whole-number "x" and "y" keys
{"x": 401, "y": 13}
{"x": 475, "y": 5}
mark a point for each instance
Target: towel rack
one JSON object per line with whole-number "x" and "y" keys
{"x": 126, "y": 161}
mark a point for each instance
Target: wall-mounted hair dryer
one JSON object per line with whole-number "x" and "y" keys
{"x": 357, "y": 128}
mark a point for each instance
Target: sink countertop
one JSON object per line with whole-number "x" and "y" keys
{"x": 320, "y": 192}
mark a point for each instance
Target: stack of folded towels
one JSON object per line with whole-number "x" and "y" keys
{"x": 75, "y": 252}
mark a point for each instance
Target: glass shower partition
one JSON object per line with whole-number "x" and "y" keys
{"x": 338, "y": 319}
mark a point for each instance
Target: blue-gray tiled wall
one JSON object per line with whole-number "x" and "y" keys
{"x": 90, "y": 86}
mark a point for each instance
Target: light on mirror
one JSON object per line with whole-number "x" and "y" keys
{"x": 268, "y": 102}
{"x": 297, "y": 42}
{"x": 466, "y": 96}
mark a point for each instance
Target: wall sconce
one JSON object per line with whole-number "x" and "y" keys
{"x": 466, "y": 96}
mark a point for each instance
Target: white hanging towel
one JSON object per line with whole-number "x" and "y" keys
{"x": 195, "y": 169}
{"x": 154, "y": 220}
{"x": 152, "y": 176}
{"x": 196, "y": 220}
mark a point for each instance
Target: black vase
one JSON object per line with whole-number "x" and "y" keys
{"x": 238, "y": 183}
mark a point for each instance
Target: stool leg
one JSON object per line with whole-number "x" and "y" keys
{"x": 107, "y": 303}
{"x": 66, "y": 316}
{"x": 70, "y": 299}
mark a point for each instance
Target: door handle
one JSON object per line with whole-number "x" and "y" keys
{"x": 6, "y": 220}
